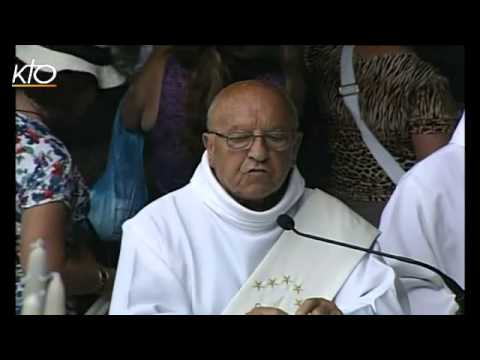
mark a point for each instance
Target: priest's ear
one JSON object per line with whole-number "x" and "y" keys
{"x": 209, "y": 146}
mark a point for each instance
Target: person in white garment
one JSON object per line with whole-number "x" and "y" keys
{"x": 190, "y": 251}
{"x": 425, "y": 220}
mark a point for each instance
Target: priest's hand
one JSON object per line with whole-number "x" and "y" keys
{"x": 318, "y": 306}
{"x": 264, "y": 310}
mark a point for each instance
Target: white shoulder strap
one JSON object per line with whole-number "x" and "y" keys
{"x": 349, "y": 90}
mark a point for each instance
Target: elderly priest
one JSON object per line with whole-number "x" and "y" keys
{"x": 214, "y": 246}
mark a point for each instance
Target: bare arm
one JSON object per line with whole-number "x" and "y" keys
{"x": 142, "y": 100}
{"x": 49, "y": 222}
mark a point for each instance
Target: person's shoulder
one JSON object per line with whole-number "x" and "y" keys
{"x": 159, "y": 211}
{"x": 322, "y": 199}
{"x": 439, "y": 160}
{"x": 421, "y": 72}
{"x": 434, "y": 169}
{"x": 35, "y": 141}
{"x": 158, "y": 225}
{"x": 25, "y": 123}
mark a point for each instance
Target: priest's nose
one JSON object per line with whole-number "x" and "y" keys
{"x": 259, "y": 149}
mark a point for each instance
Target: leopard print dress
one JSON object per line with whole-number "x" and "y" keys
{"x": 400, "y": 96}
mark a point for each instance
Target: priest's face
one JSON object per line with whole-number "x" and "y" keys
{"x": 251, "y": 168}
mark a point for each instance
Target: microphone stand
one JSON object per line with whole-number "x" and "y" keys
{"x": 451, "y": 284}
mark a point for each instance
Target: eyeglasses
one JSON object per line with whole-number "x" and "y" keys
{"x": 276, "y": 140}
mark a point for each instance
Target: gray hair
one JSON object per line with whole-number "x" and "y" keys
{"x": 288, "y": 101}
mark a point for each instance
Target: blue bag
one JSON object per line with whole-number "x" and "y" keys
{"x": 121, "y": 191}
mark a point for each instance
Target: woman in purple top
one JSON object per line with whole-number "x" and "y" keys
{"x": 169, "y": 98}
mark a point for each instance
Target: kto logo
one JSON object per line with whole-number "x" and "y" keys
{"x": 22, "y": 77}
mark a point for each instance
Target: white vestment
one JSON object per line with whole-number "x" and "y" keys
{"x": 190, "y": 251}
{"x": 425, "y": 220}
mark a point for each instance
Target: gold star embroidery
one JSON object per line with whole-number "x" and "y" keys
{"x": 258, "y": 285}
{"x": 298, "y": 302}
{"x": 272, "y": 282}
{"x": 286, "y": 280}
{"x": 297, "y": 288}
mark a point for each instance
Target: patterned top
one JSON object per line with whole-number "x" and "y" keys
{"x": 400, "y": 96}
{"x": 171, "y": 165}
{"x": 44, "y": 173}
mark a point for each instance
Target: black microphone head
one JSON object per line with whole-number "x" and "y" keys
{"x": 286, "y": 222}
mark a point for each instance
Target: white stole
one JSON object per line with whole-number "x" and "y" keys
{"x": 298, "y": 268}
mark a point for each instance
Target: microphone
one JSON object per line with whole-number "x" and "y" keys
{"x": 287, "y": 223}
